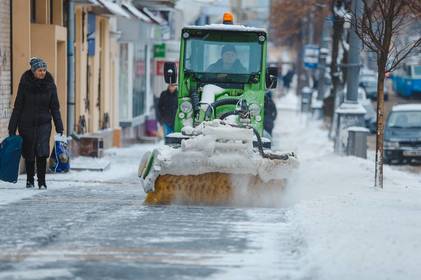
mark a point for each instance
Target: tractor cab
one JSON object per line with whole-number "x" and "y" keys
{"x": 222, "y": 75}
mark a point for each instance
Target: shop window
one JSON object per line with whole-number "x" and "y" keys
{"x": 124, "y": 82}
{"x": 33, "y": 11}
{"x": 91, "y": 34}
{"x": 51, "y": 10}
{"x": 139, "y": 80}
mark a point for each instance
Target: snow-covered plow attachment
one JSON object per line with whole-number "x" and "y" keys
{"x": 215, "y": 164}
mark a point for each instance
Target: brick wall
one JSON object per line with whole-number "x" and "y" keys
{"x": 5, "y": 67}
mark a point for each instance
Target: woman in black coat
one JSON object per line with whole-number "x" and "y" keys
{"x": 35, "y": 105}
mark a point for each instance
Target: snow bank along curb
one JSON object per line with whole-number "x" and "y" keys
{"x": 351, "y": 230}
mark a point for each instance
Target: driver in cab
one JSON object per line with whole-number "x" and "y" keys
{"x": 228, "y": 63}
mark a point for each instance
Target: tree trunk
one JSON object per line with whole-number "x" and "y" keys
{"x": 299, "y": 65}
{"x": 378, "y": 180}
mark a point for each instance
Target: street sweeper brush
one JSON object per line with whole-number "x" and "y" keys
{"x": 216, "y": 164}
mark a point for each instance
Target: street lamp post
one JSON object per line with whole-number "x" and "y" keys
{"x": 350, "y": 112}
{"x": 317, "y": 106}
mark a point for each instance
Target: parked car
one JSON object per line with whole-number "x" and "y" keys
{"x": 407, "y": 80}
{"x": 402, "y": 134}
{"x": 370, "y": 116}
{"x": 368, "y": 81}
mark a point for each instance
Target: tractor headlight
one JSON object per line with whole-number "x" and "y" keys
{"x": 186, "y": 107}
{"x": 391, "y": 145}
{"x": 258, "y": 118}
{"x": 187, "y": 122}
{"x": 181, "y": 115}
{"x": 254, "y": 109}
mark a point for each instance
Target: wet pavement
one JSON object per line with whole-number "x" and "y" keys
{"x": 103, "y": 231}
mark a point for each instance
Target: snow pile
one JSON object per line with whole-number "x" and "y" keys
{"x": 122, "y": 170}
{"x": 351, "y": 229}
{"x": 227, "y": 27}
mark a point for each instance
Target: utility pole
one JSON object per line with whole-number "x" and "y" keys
{"x": 351, "y": 113}
{"x": 311, "y": 26}
{"x": 310, "y": 30}
{"x": 324, "y": 51}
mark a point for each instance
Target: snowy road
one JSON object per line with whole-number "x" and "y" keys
{"x": 91, "y": 225}
{"x": 104, "y": 232}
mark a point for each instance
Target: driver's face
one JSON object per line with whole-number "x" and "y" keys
{"x": 229, "y": 57}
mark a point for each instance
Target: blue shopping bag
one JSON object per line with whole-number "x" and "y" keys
{"x": 60, "y": 156}
{"x": 10, "y": 153}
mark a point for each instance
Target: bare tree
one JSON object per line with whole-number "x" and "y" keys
{"x": 380, "y": 28}
{"x": 338, "y": 12}
{"x": 290, "y": 20}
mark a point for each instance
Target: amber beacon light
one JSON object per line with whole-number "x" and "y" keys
{"x": 228, "y": 18}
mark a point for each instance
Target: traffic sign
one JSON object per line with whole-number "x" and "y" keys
{"x": 159, "y": 50}
{"x": 311, "y": 56}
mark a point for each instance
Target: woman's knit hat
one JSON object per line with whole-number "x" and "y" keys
{"x": 37, "y": 63}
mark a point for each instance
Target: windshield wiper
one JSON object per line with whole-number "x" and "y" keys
{"x": 397, "y": 126}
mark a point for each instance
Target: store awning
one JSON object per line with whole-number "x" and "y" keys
{"x": 91, "y": 2}
{"x": 156, "y": 4}
{"x": 114, "y": 8}
{"x": 156, "y": 18}
{"x": 135, "y": 12}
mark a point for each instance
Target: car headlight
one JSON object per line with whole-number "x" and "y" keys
{"x": 391, "y": 145}
{"x": 186, "y": 107}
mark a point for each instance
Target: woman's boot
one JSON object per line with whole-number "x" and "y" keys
{"x": 41, "y": 170}
{"x": 30, "y": 172}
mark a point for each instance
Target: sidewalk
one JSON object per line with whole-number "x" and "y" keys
{"x": 122, "y": 170}
{"x": 352, "y": 230}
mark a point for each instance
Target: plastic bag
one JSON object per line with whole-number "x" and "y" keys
{"x": 60, "y": 155}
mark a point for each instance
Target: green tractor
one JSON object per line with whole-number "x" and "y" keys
{"x": 218, "y": 136}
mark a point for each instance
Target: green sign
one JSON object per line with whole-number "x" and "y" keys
{"x": 159, "y": 50}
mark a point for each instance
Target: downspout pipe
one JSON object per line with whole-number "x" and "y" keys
{"x": 70, "y": 67}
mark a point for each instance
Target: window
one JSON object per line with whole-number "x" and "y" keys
{"x": 33, "y": 11}
{"x": 417, "y": 70}
{"x": 228, "y": 54}
{"x": 139, "y": 80}
{"x": 405, "y": 119}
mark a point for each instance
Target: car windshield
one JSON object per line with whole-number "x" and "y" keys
{"x": 405, "y": 119}
{"x": 417, "y": 70}
{"x": 208, "y": 55}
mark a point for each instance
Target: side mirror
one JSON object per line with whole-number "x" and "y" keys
{"x": 170, "y": 72}
{"x": 271, "y": 77}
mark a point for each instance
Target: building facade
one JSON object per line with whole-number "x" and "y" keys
{"x": 110, "y": 81}
{"x": 5, "y": 66}
{"x": 96, "y": 71}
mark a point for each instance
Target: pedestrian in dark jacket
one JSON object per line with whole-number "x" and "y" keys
{"x": 35, "y": 105}
{"x": 287, "y": 79}
{"x": 270, "y": 113}
{"x": 168, "y": 104}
